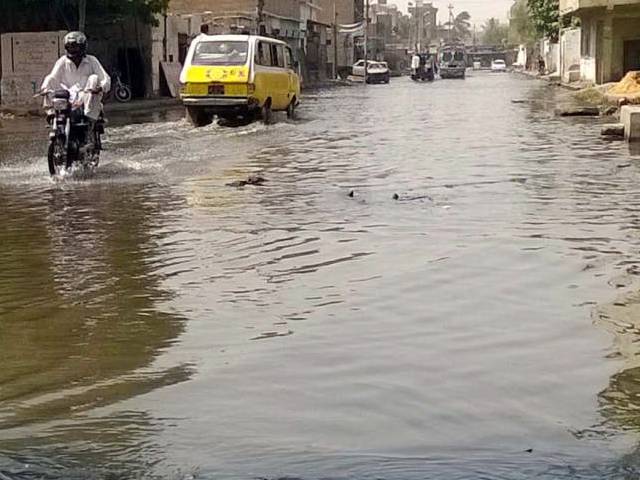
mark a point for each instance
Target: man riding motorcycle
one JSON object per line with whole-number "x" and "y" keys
{"x": 80, "y": 72}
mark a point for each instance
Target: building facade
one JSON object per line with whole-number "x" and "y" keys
{"x": 277, "y": 18}
{"x": 609, "y": 35}
{"x": 424, "y": 27}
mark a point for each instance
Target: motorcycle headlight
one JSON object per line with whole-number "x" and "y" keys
{"x": 60, "y": 103}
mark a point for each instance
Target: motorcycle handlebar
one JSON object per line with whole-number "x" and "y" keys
{"x": 44, "y": 93}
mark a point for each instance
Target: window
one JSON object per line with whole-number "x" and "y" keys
{"x": 277, "y": 55}
{"x": 263, "y": 54}
{"x": 220, "y": 52}
{"x": 289, "y": 58}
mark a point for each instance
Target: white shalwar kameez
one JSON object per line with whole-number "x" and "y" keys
{"x": 89, "y": 75}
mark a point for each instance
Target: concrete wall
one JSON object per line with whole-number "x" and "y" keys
{"x": 569, "y": 6}
{"x": 588, "y": 70}
{"x": 344, "y": 8}
{"x": 214, "y": 6}
{"x": 26, "y": 59}
{"x": 283, "y": 8}
{"x": 280, "y": 8}
{"x": 570, "y": 55}
{"x": 551, "y": 54}
{"x": 166, "y": 32}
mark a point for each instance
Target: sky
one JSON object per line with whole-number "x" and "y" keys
{"x": 480, "y": 10}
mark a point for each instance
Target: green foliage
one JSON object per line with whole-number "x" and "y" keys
{"x": 521, "y": 27}
{"x": 545, "y": 15}
{"x": 33, "y": 14}
{"x": 494, "y": 32}
{"x": 115, "y": 10}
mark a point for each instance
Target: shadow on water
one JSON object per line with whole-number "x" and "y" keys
{"x": 83, "y": 325}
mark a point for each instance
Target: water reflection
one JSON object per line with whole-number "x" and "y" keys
{"x": 83, "y": 317}
{"x": 445, "y": 334}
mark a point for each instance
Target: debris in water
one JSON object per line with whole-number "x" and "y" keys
{"x": 578, "y": 112}
{"x": 251, "y": 180}
{"x": 352, "y": 193}
{"x": 412, "y": 198}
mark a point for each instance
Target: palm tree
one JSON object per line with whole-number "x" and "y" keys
{"x": 460, "y": 26}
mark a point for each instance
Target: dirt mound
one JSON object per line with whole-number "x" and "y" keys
{"x": 630, "y": 84}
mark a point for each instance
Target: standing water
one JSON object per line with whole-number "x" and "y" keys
{"x": 466, "y": 313}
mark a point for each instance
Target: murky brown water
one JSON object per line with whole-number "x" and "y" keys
{"x": 155, "y": 323}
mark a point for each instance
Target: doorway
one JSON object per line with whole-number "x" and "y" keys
{"x": 131, "y": 66}
{"x": 631, "y": 55}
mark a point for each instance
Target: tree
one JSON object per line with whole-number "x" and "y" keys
{"x": 521, "y": 27}
{"x": 460, "y": 26}
{"x": 494, "y": 32}
{"x": 545, "y": 15}
{"x": 67, "y": 14}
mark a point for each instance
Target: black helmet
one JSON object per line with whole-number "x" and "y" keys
{"x": 75, "y": 43}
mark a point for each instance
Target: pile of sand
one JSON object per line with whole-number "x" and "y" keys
{"x": 629, "y": 85}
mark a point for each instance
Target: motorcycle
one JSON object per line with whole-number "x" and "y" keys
{"x": 121, "y": 91}
{"x": 69, "y": 134}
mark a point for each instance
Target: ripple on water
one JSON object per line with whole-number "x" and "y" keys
{"x": 156, "y": 319}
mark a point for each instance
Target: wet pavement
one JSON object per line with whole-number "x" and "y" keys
{"x": 158, "y": 323}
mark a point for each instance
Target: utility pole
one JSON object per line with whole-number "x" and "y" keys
{"x": 366, "y": 41}
{"x": 335, "y": 41}
{"x": 420, "y": 25}
{"x": 260, "y": 16}
{"x": 451, "y": 19}
{"x": 82, "y": 15}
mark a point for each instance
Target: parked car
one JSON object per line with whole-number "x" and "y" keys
{"x": 238, "y": 77}
{"x": 498, "y": 66}
{"x": 377, "y": 72}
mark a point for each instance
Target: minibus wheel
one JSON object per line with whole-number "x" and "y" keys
{"x": 267, "y": 113}
{"x": 291, "y": 109}
{"x": 198, "y": 116}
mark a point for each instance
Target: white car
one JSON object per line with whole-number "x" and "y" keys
{"x": 498, "y": 66}
{"x": 377, "y": 72}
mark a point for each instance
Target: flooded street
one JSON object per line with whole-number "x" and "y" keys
{"x": 157, "y": 323}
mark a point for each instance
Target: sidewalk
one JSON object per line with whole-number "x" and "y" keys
{"x": 136, "y": 106}
{"x": 142, "y": 105}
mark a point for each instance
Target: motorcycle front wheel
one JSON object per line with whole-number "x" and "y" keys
{"x": 57, "y": 157}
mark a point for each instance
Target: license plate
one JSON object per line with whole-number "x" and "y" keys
{"x": 216, "y": 89}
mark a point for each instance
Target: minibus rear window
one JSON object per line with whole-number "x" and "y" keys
{"x": 221, "y": 52}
